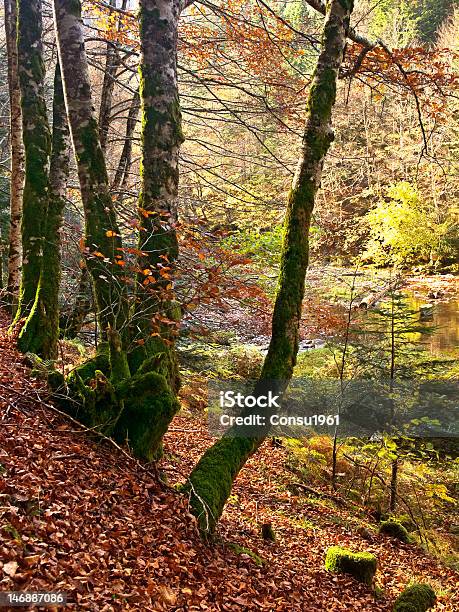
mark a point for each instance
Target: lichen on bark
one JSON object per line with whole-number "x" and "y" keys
{"x": 102, "y": 235}
{"x": 37, "y": 147}
{"x": 161, "y": 140}
{"x": 40, "y": 333}
{"x": 17, "y": 157}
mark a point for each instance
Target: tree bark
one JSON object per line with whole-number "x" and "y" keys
{"x": 17, "y": 157}
{"x": 393, "y": 485}
{"x": 124, "y": 163}
{"x": 37, "y": 147}
{"x": 211, "y": 480}
{"x": 112, "y": 63}
{"x": 102, "y": 237}
{"x": 72, "y": 322}
{"x": 161, "y": 131}
{"x": 40, "y": 333}
{"x": 161, "y": 140}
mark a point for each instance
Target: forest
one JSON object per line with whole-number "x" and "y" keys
{"x": 229, "y": 305}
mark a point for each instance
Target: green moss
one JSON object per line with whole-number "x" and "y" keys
{"x": 94, "y": 402}
{"x": 394, "y": 529}
{"x": 362, "y": 566}
{"x": 406, "y": 521}
{"x": 119, "y": 366}
{"x": 156, "y": 356}
{"x": 242, "y": 550}
{"x": 87, "y": 370}
{"x": 210, "y": 482}
{"x": 415, "y": 598}
{"x": 56, "y": 381}
{"x": 149, "y": 406}
{"x": 323, "y": 94}
{"x": 37, "y": 148}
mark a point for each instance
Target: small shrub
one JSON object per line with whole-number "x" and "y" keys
{"x": 394, "y": 529}
{"x": 362, "y": 565}
{"x": 415, "y": 598}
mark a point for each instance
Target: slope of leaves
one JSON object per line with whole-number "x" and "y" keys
{"x": 78, "y": 515}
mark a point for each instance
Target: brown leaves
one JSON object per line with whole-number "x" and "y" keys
{"x": 10, "y": 568}
{"x": 78, "y": 516}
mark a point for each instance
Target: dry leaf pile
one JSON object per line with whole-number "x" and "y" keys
{"x": 78, "y": 515}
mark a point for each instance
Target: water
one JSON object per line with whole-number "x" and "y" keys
{"x": 445, "y": 321}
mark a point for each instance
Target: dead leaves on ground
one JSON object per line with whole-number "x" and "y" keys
{"x": 78, "y": 516}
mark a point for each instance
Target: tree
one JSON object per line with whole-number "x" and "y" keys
{"x": 17, "y": 155}
{"x": 211, "y": 480}
{"x": 37, "y": 147}
{"x": 161, "y": 140}
{"x": 102, "y": 235}
{"x": 129, "y": 394}
{"x": 41, "y": 330}
{"x": 404, "y": 229}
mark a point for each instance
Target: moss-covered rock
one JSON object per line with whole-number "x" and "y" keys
{"x": 406, "y": 521}
{"x": 87, "y": 370}
{"x": 394, "y": 529}
{"x": 415, "y": 598}
{"x": 361, "y": 565}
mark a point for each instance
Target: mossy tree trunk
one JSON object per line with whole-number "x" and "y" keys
{"x": 37, "y": 147}
{"x": 161, "y": 140}
{"x": 40, "y": 333}
{"x": 127, "y": 395}
{"x": 17, "y": 156}
{"x": 102, "y": 236}
{"x": 211, "y": 480}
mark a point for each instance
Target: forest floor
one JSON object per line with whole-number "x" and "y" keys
{"x": 79, "y": 515}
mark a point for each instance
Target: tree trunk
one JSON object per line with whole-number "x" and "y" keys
{"x": 72, "y": 322}
{"x": 17, "y": 157}
{"x": 161, "y": 140}
{"x": 112, "y": 63}
{"x": 211, "y": 480}
{"x": 102, "y": 237}
{"x": 40, "y": 333}
{"x": 108, "y": 85}
{"x": 124, "y": 163}
{"x": 37, "y": 146}
{"x": 393, "y": 485}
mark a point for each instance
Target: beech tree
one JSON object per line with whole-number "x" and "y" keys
{"x": 17, "y": 155}
{"x": 102, "y": 235}
{"x": 211, "y": 480}
{"x": 161, "y": 140}
{"x": 41, "y": 330}
{"x": 37, "y": 147}
{"x": 129, "y": 391}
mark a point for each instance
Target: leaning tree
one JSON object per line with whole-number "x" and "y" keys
{"x": 211, "y": 481}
